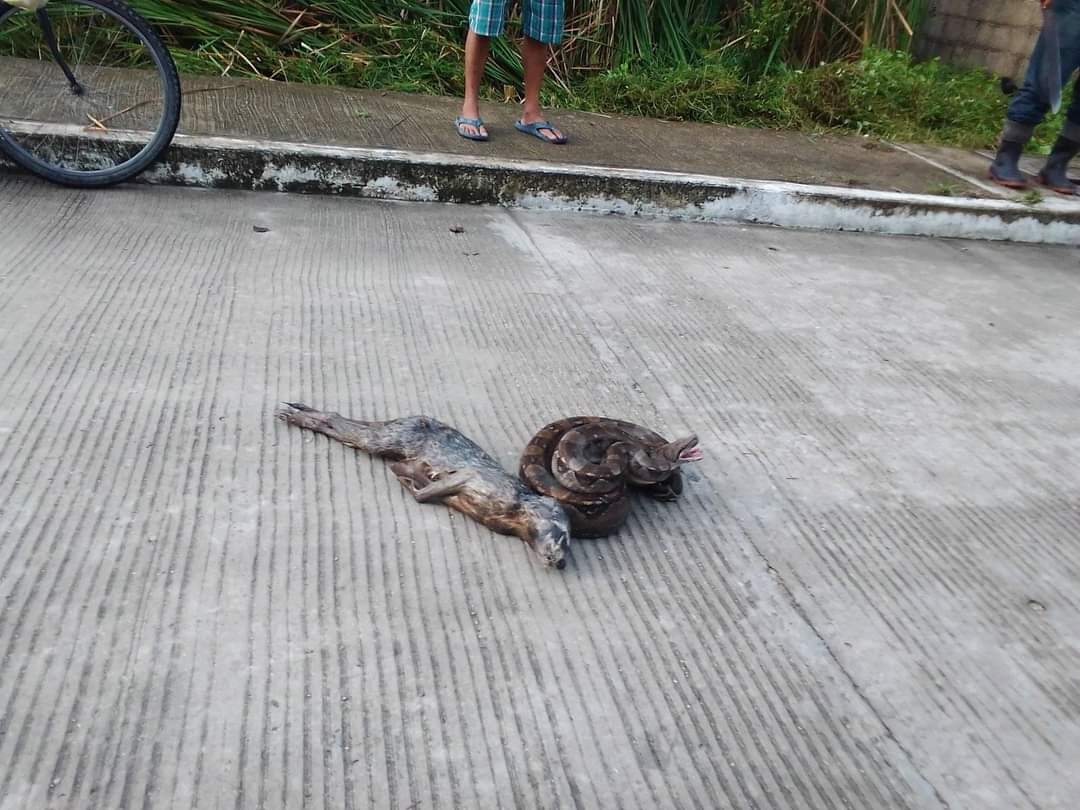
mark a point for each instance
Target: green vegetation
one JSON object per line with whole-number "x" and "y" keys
{"x": 792, "y": 64}
{"x": 945, "y": 190}
{"x": 417, "y": 44}
{"x": 883, "y": 94}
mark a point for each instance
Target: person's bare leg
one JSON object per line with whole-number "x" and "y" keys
{"x": 534, "y": 56}
{"x": 476, "y": 54}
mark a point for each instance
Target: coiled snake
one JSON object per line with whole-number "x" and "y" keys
{"x": 588, "y": 463}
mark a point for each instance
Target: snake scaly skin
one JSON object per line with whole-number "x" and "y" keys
{"x": 588, "y": 464}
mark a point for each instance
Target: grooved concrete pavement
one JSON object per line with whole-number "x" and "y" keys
{"x": 867, "y": 597}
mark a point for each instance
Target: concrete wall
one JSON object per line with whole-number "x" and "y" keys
{"x": 995, "y": 34}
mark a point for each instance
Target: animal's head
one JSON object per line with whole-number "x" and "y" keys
{"x": 549, "y": 532}
{"x": 681, "y": 451}
{"x": 652, "y": 465}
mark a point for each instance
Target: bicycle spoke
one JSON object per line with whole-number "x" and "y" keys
{"x": 123, "y": 89}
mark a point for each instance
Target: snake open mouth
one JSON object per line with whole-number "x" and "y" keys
{"x": 691, "y": 454}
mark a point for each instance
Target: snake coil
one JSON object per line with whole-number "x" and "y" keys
{"x": 588, "y": 464}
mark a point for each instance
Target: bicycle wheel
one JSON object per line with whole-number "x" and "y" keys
{"x": 102, "y": 112}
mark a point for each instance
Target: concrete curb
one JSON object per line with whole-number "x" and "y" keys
{"x": 213, "y": 162}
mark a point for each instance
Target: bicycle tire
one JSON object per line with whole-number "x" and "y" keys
{"x": 162, "y": 137}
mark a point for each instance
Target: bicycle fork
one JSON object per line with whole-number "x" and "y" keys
{"x": 50, "y": 40}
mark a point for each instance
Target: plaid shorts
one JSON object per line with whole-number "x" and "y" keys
{"x": 541, "y": 20}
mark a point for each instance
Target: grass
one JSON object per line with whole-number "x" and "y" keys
{"x": 884, "y": 94}
{"x": 945, "y": 190}
{"x": 405, "y": 43}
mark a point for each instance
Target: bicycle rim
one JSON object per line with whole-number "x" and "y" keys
{"x": 114, "y": 122}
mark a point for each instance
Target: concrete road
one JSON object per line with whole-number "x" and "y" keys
{"x": 868, "y": 597}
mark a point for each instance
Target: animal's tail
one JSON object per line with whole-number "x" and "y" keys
{"x": 371, "y": 437}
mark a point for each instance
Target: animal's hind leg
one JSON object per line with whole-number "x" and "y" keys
{"x": 371, "y": 437}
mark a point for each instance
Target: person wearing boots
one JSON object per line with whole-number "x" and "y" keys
{"x": 1028, "y": 109}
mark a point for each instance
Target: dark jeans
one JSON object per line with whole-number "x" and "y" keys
{"x": 1028, "y": 106}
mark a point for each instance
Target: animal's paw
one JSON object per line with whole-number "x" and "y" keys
{"x": 293, "y": 411}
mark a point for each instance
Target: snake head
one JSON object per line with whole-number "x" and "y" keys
{"x": 682, "y": 450}
{"x": 549, "y": 533}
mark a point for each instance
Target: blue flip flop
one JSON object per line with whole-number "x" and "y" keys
{"x": 472, "y": 122}
{"x": 534, "y": 130}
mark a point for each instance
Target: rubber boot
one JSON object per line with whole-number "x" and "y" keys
{"x": 1054, "y": 174}
{"x": 1005, "y": 170}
